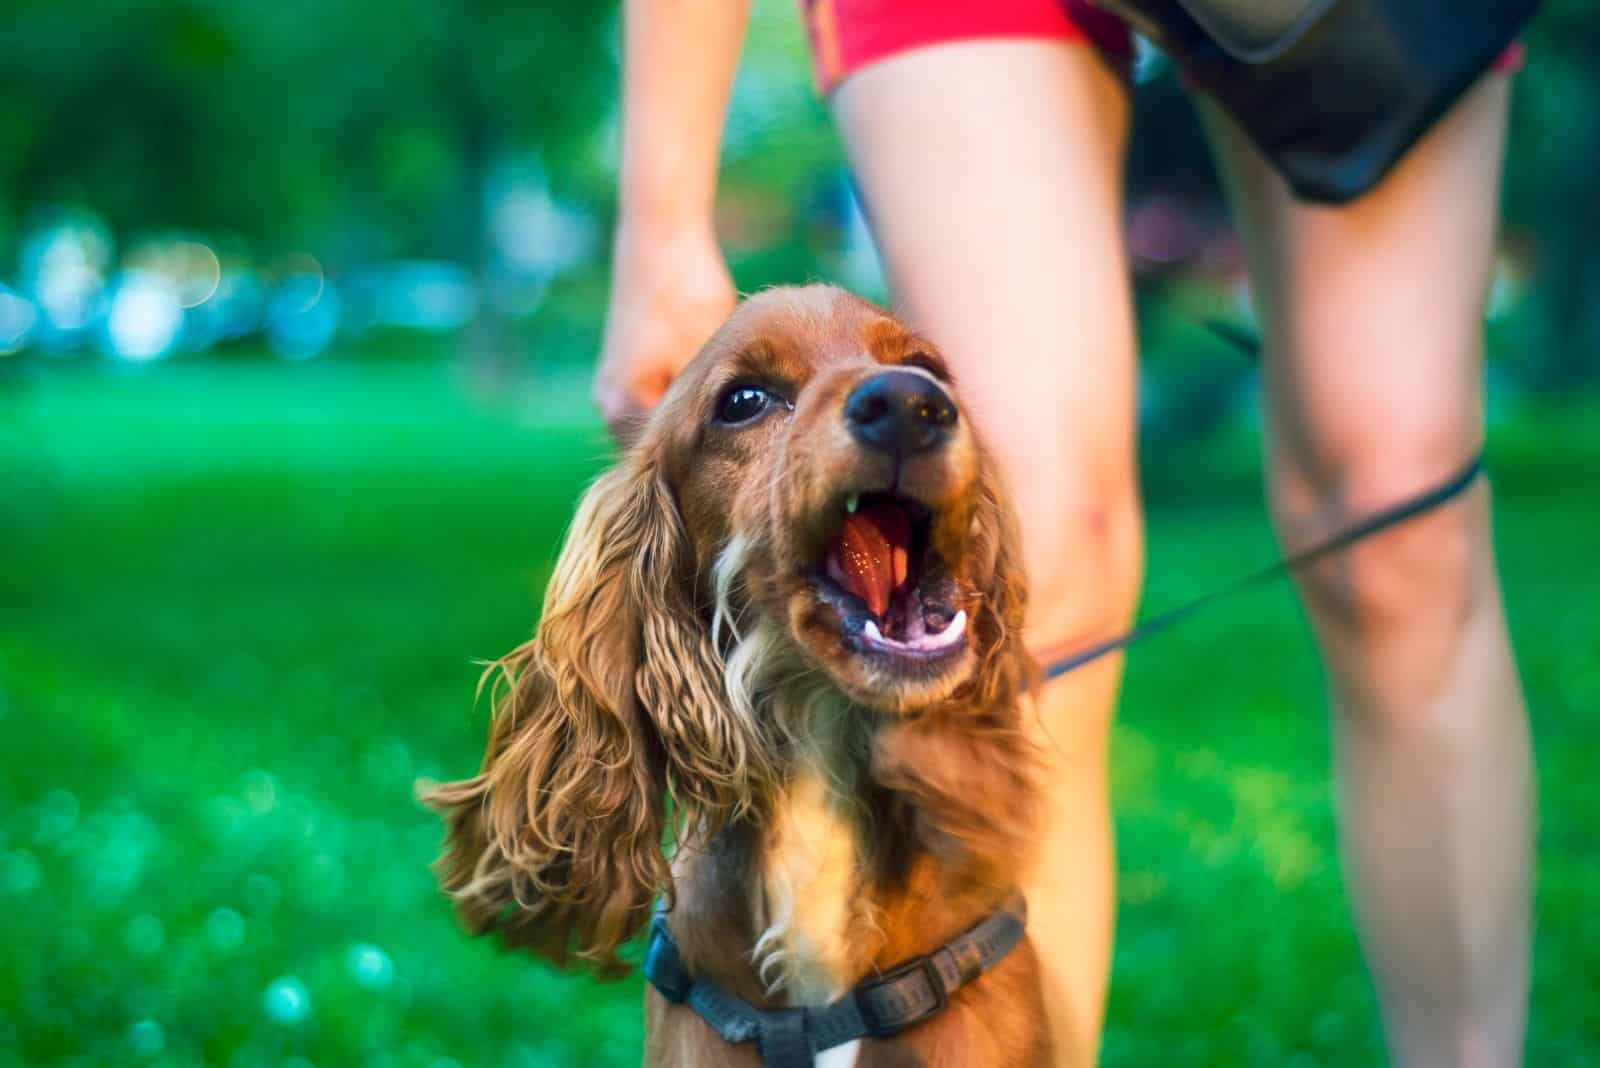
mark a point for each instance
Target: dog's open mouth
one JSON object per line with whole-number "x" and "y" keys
{"x": 893, "y": 594}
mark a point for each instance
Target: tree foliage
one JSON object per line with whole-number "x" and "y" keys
{"x": 361, "y": 129}
{"x": 286, "y": 120}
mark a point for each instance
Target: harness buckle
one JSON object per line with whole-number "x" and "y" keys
{"x": 895, "y": 1000}
{"x": 662, "y": 965}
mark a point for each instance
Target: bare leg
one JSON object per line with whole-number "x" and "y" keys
{"x": 992, "y": 173}
{"x": 1373, "y": 319}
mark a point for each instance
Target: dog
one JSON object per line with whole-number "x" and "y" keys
{"x": 784, "y": 633}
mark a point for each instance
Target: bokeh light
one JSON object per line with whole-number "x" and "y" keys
{"x": 262, "y": 894}
{"x": 198, "y": 272}
{"x": 63, "y": 266}
{"x": 369, "y": 966}
{"x": 20, "y": 873}
{"x": 224, "y": 929}
{"x": 17, "y": 318}
{"x": 146, "y": 316}
{"x": 303, "y": 312}
{"x": 287, "y": 1001}
{"x": 144, "y": 935}
{"x": 147, "y": 1038}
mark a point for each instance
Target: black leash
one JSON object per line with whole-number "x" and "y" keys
{"x": 1392, "y": 516}
{"x": 879, "y": 1007}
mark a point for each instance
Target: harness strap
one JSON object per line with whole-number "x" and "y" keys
{"x": 1394, "y": 515}
{"x": 879, "y": 1007}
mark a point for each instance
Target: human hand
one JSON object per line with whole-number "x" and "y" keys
{"x": 669, "y": 293}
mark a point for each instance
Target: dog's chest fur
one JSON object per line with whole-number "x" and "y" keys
{"x": 809, "y": 900}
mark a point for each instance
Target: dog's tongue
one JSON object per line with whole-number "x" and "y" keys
{"x": 870, "y": 555}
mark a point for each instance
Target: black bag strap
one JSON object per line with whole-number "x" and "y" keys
{"x": 1257, "y": 31}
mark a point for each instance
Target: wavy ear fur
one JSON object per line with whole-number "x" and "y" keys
{"x": 618, "y": 700}
{"x": 1007, "y": 669}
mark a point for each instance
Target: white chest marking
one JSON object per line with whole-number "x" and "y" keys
{"x": 839, "y": 1056}
{"x": 809, "y": 896}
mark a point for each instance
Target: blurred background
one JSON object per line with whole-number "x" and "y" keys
{"x": 298, "y": 305}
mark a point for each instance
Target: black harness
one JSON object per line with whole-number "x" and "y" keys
{"x": 879, "y": 1007}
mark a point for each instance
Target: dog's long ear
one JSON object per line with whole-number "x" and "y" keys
{"x": 557, "y": 843}
{"x": 1006, "y": 669}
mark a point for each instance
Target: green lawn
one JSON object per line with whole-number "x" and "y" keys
{"x": 239, "y": 612}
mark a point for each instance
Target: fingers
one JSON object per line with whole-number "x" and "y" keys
{"x": 668, "y": 295}
{"x": 625, "y": 404}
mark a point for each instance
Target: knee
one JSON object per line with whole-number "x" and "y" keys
{"x": 1422, "y": 578}
{"x": 1085, "y": 559}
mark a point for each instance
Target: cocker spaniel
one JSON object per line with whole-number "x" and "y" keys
{"x": 781, "y": 646}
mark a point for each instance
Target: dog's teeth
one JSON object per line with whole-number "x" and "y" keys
{"x": 952, "y": 630}
{"x": 870, "y": 630}
{"x": 852, "y": 502}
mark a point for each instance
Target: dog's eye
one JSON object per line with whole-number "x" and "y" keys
{"x": 743, "y": 404}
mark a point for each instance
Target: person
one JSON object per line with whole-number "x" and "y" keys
{"x": 987, "y": 141}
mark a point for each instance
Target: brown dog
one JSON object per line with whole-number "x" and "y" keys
{"x": 785, "y": 630}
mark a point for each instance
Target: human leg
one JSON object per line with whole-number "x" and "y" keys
{"x": 1372, "y": 315}
{"x": 991, "y": 172}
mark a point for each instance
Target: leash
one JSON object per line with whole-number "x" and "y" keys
{"x": 1389, "y": 517}
{"x": 1392, "y": 516}
{"x": 879, "y": 1007}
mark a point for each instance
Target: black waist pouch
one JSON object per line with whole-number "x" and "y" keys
{"x": 1333, "y": 92}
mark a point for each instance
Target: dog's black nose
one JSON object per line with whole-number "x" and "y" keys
{"x": 900, "y": 412}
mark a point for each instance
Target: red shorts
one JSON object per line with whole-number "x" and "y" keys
{"x": 847, "y": 35}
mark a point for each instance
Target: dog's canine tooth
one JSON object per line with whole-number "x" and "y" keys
{"x": 952, "y": 630}
{"x": 852, "y": 502}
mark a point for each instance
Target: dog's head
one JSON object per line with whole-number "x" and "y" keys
{"x": 808, "y": 505}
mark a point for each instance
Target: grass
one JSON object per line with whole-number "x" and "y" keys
{"x": 240, "y": 607}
